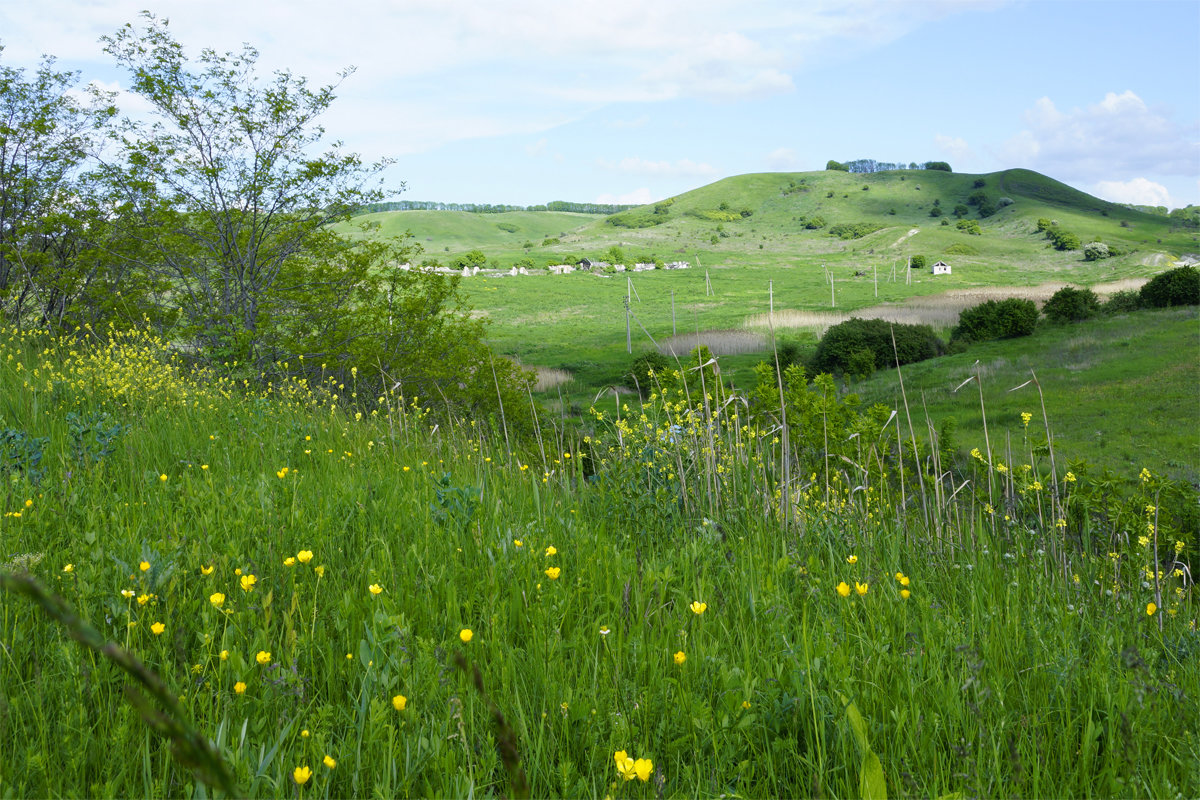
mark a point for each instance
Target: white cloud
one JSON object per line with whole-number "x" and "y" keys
{"x": 952, "y": 146}
{"x": 783, "y": 159}
{"x": 1118, "y": 137}
{"x": 684, "y": 168}
{"x": 638, "y": 197}
{"x": 1139, "y": 191}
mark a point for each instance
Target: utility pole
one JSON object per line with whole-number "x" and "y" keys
{"x": 771, "y": 302}
{"x": 875, "y": 272}
{"x": 672, "y": 312}
{"x": 628, "y": 331}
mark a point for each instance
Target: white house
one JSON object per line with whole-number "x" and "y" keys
{"x": 941, "y": 268}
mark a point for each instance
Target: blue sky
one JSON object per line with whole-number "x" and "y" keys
{"x": 527, "y": 101}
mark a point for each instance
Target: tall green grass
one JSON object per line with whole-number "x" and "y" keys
{"x": 1020, "y": 664}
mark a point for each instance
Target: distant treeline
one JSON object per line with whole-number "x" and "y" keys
{"x": 871, "y": 165}
{"x": 488, "y": 208}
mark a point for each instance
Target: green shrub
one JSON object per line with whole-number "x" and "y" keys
{"x": 507, "y": 227}
{"x": 837, "y": 166}
{"x": 938, "y": 165}
{"x": 639, "y": 375}
{"x": 839, "y": 350}
{"x": 1123, "y": 302}
{"x": 970, "y": 226}
{"x": 1063, "y": 240}
{"x": 1069, "y": 304}
{"x": 813, "y": 223}
{"x": 918, "y": 262}
{"x": 1094, "y": 251}
{"x": 961, "y": 249}
{"x": 1176, "y": 287}
{"x": 996, "y": 319}
{"x": 853, "y": 230}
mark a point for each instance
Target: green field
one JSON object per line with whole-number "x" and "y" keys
{"x": 220, "y": 591}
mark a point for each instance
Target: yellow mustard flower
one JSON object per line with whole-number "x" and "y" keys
{"x": 157, "y": 628}
{"x": 239, "y": 688}
{"x": 680, "y": 657}
{"x": 843, "y": 589}
{"x": 301, "y": 775}
{"x": 466, "y": 635}
{"x": 217, "y": 599}
{"x": 263, "y": 657}
{"x": 698, "y": 608}
{"x": 375, "y": 588}
{"x": 553, "y": 573}
{"x": 399, "y": 702}
{"x": 1025, "y": 418}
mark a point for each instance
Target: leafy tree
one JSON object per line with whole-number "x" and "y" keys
{"x": 1063, "y": 240}
{"x": 1176, "y": 287}
{"x": 961, "y": 210}
{"x": 648, "y": 371}
{"x": 232, "y": 195}
{"x": 941, "y": 166}
{"x": 1123, "y": 302}
{"x": 918, "y": 262}
{"x": 1069, "y": 304}
{"x": 50, "y": 229}
{"x": 970, "y": 226}
{"x": 837, "y": 166}
{"x": 614, "y": 255}
{"x": 1095, "y": 251}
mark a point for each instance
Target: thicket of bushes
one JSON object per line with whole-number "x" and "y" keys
{"x": 1176, "y": 287}
{"x": 860, "y": 346}
{"x": 996, "y": 319}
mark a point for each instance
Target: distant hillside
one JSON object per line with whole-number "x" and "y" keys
{"x": 777, "y": 218}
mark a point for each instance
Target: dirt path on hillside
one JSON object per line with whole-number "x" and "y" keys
{"x": 905, "y": 236}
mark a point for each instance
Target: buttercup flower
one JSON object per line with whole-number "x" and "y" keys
{"x": 861, "y": 588}
{"x": 1151, "y": 609}
{"x": 518, "y": 543}
{"x": 375, "y": 588}
{"x": 643, "y": 767}
{"x": 248, "y": 582}
{"x": 224, "y": 655}
{"x": 207, "y": 570}
{"x": 239, "y": 688}
{"x": 216, "y": 598}
{"x": 466, "y": 635}
{"x": 69, "y": 568}
{"x": 157, "y": 628}
{"x": 320, "y": 570}
{"x": 843, "y": 589}
{"x": 698, "y": 608}
{"x": 852, "y": 559}
{"x": 625, "y": 765}
{"x": 145, "y": 565}
{"x": 551, "y": 550}
{"x": 553, "y": 573}
{"x": 301, "y": 775}
{"x": 399, "y": 702}
{"x": 162, "y": 478}
{"x": 304, "y": 733}
{"x": 905, "y": 593}
{"x": 127, "y": 593}
{"x": 263, "y": 657}
{"x": 680, "y": 657}
{"x": 304, "y": 556}
{"x": 290, "y": 561}
{"x": 329, "y": 761}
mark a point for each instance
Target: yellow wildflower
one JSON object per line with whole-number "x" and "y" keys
{"x": 329, "y": 761}
{"x": 69, "y": 568}
{"x": 290, "y": 561}
{"x": 843, "y": 589}
{"x": 248, "y": 582}
{"x": 207, "y": 570}
{"x": 375, "y": 588}
{"x": 643, "y": 767}
{"x": 698, "y": 608}
{"x": 263, "y": 657}
{"x": 399, "y": 702}
{"x": 1151, "y": 609}
{"x": 239, "y": 688}
{"x": 553, "y": 573}
{"x": 216, "y": 598}
{"x": 145, "y": 565}
{"x": 157, "y": 628}
{"x": 551, "y": 550}
{"x": 304, "y": 556}
{"x": 861, "y": 588}
{"x": 680, "y": 657}
{"x": 320, "y": 570}
{"x": 466, "y": 635}
{"x": 301, "y": 775}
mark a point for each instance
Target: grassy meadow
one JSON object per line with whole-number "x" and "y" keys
{"x": 297, "y": 590}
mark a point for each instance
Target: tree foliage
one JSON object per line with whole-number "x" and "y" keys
{"x": 1069, "y": 304}
{"x": 1175, "y": 287}
{"x": 996, "y": 319}
{"x": 840, "y": 349}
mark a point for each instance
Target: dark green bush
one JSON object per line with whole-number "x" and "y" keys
{"x": 639, "y": 378}
{"x": 839, "y": 350}
{"x": 1123, "y": 302}
{"x": 1069, "y": 304}
{"x": 918, "y": 262}
{"x": 853, "y": 230}
{"x": 996, "y": 319}
{"x": 1176, "y": 287}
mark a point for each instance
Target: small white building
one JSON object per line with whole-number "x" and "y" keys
{"x": 941, "y": 268}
